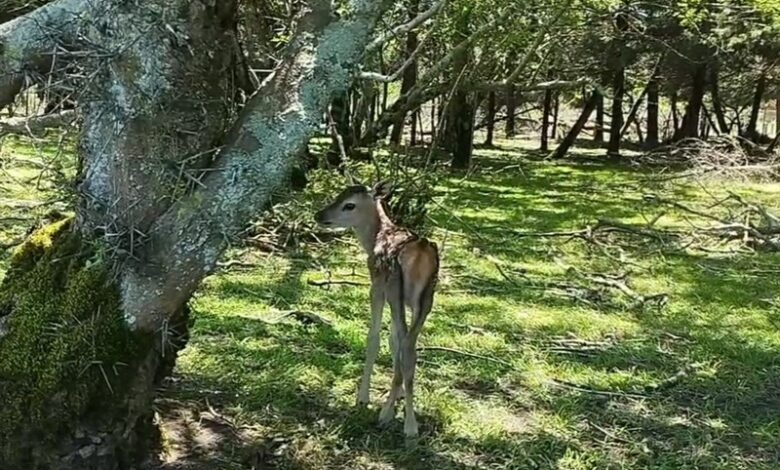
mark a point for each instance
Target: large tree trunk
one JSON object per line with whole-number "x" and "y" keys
{"x": 490, "y": 118}
{"x": 461, "y": 118}
{"x": 616, "y": 123}
{"x": 151, "y": 223}
{"x": 568, "y": 141}
{"x": 652, "y": 112}
{"x": 751, "y": 130}
{"x": 690, "y": 122}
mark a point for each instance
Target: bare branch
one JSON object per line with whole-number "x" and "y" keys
{"x": 406, "y": 27}
{"x": 541, "y": 86}
{"x": 35, "y": 124}
{"x": 28, "y": 42}
{"x": 378, "y": 77}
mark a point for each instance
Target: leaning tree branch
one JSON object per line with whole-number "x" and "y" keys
{"x": 274, "y": 127}
{"x": 530, "y": 52}
{"x": 378, "y": 77}
{"x": 27, "y": 43}
{"x": 406, "y": 27}
{"x": 421, "y": 92}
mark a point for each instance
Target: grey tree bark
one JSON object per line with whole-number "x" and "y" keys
{"x": 166, "y": 181}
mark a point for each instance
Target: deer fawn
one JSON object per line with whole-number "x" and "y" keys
{"x": 404, "y": 270}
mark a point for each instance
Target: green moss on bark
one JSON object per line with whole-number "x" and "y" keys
{"x": 67, "y": 351}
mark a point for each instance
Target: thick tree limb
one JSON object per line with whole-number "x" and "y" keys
{"x": 274, "y": 127}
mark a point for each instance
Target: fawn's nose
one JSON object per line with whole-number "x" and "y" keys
{"x": 319, "y": 217}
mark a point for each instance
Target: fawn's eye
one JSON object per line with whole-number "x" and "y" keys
{"x": 348, "y": 206}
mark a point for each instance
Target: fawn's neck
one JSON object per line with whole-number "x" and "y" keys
{"x": 368, "y": 232}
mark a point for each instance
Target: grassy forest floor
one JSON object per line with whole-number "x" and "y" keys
{"x": 600, "y": 349}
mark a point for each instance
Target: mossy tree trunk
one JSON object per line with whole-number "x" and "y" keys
{"x": 166, "y": 181}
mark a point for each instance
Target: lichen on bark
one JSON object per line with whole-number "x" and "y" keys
{"x": 67, "y": 350}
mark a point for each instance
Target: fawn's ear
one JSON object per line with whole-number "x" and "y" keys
{"x": 382, "y": 190}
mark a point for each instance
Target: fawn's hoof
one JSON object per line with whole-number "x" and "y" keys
{"x": 387, "y": 414}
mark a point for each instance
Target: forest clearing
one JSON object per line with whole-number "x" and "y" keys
{"x": 531, "y": 358}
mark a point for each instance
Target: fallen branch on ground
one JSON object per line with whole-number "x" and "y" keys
{"x": 328, "y": 283}
{"x": 607, "y": 393}
{"x": 676, "y": 378}
{"x": 464, "y": 353}
{"x": 595, "y": 290}
{"x": 306, "y": 318}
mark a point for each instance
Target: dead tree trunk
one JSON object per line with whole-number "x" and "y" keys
{"x": 616, "y": 123}
{"x": 568, "y": 141}
{"x": 490, "y": 118}
{"x": 598, "y": 132}
{"x": 652, "y": 112}
{"x": 158, "y": 206}
{"x": 546, "y": 112}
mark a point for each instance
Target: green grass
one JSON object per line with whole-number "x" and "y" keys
{"x": 252, "y": 389}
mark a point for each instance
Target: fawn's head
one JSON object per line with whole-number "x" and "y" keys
{"x": 354, "y": 206}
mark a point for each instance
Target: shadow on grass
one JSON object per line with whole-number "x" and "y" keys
{"x": 281, "y": 378}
